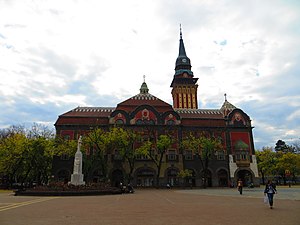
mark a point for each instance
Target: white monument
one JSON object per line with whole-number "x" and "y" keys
{"x": 77, "y": 176}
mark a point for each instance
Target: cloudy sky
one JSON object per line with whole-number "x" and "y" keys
{"x": 57, "y": 55}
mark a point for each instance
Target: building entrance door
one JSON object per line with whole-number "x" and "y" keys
{"x": 117, "y": 178}
{"x": 223, "y": 178}
{"x": 145, "y": 178}
{"x": 245, "y": 176}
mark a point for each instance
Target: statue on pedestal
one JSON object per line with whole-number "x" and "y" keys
{"x": 77, "y": 176}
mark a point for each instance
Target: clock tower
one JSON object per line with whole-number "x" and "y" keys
{"x": 184, "y": 84}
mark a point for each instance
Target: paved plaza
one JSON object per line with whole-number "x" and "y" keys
{"x": 155, "y": 207}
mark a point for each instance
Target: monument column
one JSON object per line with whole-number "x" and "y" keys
{"x": 77, "y": 176}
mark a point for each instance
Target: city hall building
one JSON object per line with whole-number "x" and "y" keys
{"x": 144, "y": 112}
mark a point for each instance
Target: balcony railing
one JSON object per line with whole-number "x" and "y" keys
{"x": 242, "y": 163}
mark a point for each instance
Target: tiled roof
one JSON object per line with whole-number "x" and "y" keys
{"x": 144, "y": 99}
{"x": 90, "y": 111}
{"x": 227, "y": 105}
{"x": 200, "y": 113}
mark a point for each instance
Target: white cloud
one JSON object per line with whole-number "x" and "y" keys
{"x": 60, "y": 54}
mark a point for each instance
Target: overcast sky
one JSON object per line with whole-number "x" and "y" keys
{"x": 57, "y": 55}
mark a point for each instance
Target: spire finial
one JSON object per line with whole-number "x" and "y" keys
{"x": 180, "y": 31}
{"x": 225, "y": 95}
{"x": 144, "y": 77}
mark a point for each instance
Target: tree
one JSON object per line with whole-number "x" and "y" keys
{"x": 13, "y": 150}
{"x": 125, "y": 143}
{"x": 156, "y": 151}
{"x": 289, "y": 162}
{"x": 62, "y": 146}
{"x": 281, "y": 146}
{"x": 39, "y": 130}
{"x": 266, "y": 162}
{"x": 205, "y": 148}
{"x": 185, "y": 175}
{"x": 26, "y": 154}
{"x": 39, "y": 160}
{"x": 96, "y": 144}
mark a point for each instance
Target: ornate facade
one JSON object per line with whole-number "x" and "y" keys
{"x": 144, "y": 112}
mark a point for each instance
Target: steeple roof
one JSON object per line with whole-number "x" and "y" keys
{"x": 181, "y": 46}
{"x": 183, "y": 73}
{"x": 227, "y": 107}
{"x": 182, "y": 62}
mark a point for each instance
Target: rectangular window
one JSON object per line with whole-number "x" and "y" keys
{"x": 220, "y": 155}
{"x": 188, "y": 155}
{"x": 242, "y": 156}
{"x": 172, "y": 155}
{"x": 141, "y": 157}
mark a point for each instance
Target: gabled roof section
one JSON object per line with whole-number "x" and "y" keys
{"x": 85, "y": 116}
{"x": 200, "y": 113}
{"x": 144, "y": 98}
{"x": 227, "y": 107}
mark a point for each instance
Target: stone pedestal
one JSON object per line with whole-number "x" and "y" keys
{"x": 77, "y": 179}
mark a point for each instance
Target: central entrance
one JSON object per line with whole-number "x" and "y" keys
{"x": 245, "y": 176}
{"x": 145, "y": 177}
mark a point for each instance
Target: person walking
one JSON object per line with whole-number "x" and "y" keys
{"x": 240, "y": 186}
{"x": 270, "y": 190}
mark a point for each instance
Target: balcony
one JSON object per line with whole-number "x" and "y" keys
{"x": 242, "y": 163}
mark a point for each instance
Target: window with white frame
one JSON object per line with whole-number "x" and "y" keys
{"x": 171, "y": 155}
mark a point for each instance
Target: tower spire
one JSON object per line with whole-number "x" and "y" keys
{"x": 182, "y": 52}
{"x": 184, "y": 84}
{"x": 180, "y": 32}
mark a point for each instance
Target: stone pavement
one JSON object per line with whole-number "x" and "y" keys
{"x": 284, "y": 192}
{"x": 154, "y": 207}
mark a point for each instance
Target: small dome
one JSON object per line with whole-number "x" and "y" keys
{"x": 144, "y": 88}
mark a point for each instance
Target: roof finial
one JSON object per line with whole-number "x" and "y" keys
{"x": 144, "y": 77}
{"x": 225, "y": 95}
{"x": 180, "y": 32}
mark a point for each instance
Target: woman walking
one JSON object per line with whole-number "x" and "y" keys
{"x": 240, "y": 186}
{"x": 270, "y": 190}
